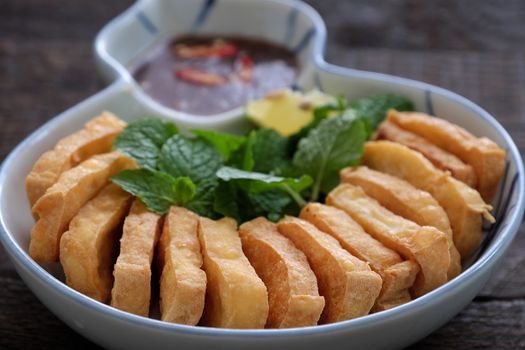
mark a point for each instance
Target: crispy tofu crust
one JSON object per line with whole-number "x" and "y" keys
{"x": 132, "y": 272}
{"x": 182, "y": 281}
{"x": 440, "y": 158}
{"x": 424, "y": 244}
{"x": 463, "y": 205}
{"x": 484, "y": 155}
{"x": 64, "y": 199}
{"x": 349, "y": 286}
{"x": 96, "y": 137}
{"x": 88, "y": 248}
{"x": 292, "y": 287}
{"x": 403, "y": 199}
{"x": 398, "y": 274}
{"x": 236, "y": 297}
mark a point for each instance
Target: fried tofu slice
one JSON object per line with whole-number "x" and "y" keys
{"x": 463, "y": 205}
{"x": 64, "y": 199}
{"x": 440, "y": 158}
{"x": 424, "y": 244}
{"x": 88, "y": 249}
{"x": 484, "y": 155}
{"x": 349, "y": 286}
{"x": 403, "y": 199}
{"x": 236, "y": 297}
{"x": 398, "y": 274}
{"x": 132, "y": 272}
{"x": 96, "y": 137}
{"x": 293, "y": 294}
{"x": 182, "y": 281}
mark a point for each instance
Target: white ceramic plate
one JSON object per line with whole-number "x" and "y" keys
{"x": 300, "y": 28}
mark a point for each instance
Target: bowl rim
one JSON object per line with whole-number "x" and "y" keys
{"x": 119, "y": 71}
{"x": 485, "y": 261}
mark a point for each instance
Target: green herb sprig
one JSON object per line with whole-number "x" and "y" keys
{"x": 258, "y": 174}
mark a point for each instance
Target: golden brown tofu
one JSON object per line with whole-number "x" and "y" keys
{"x": 236, "y": 297}
{"x": 440, "y": 158}
{"x": 132, "y": 272}
{"x": 424, "y": 244}
{"x": 64, "y": 199}
{"x": 96, "y": 137}
{"x": 182, "y": 281}
{"x": 484, "y": 155}
{"x": 463, "y": 205}
{"x": 293, "y": 295}
{"x": 398, "y": 274}
{"x": 89, "y": 247}
{"x": 403, "y": 199}
{"x": 349, "y": 286}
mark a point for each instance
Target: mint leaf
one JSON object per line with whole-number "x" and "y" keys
{"x": 269, "y": 151}
{"x": 202, "y": 202}
{"x": 227, "y": 201}
{"x": 245, "y": 195}
{"x": 373, "y": 109}
{"x": 264, "y": 151}
{"x": 226, "y": 144}
{"x": 324, "y": 111}
{"x": 143, "y": 139}
{"x": 243, "y": 157}
{"x": 253, "y": 182}
{"x": 194, "y": 158}
{"x": 184, "y": 189}
{"x": 320, "y": 113}
{"x": 334, "y": 144}
{"x": 260, "y": 182}
{"x": 158, "y": 191}
{"x": 271, "y": 204}
{"x": 241, "y": 204}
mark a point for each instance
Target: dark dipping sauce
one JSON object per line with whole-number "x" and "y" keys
{"x": 204, "y": 75}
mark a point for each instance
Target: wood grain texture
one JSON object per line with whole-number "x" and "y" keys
{"x": 474, "y": 48}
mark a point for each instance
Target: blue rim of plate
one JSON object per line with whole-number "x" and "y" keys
{"x": 494, "y": 248}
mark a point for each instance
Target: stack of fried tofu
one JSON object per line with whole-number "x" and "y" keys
{"x": 397, "y": 227}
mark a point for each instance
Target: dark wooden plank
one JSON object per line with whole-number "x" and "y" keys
{"x": 493, "y": 25}
{"x": 508, "y": 280}
{"x": 483, "y": 324}
{"x": 27, "y": 324}
{"x": 57, "y": 19}
{"x": 476, "y": 49}
{"x": 493, "y": 324}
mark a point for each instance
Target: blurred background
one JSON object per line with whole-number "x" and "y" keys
{"x": 475, "y": 48}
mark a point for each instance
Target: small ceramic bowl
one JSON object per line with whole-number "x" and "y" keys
{"x": 300, "y": 28}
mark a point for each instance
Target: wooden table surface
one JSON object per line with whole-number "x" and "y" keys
{"x": 475, "y": 48}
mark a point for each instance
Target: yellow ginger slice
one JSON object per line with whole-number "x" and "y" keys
{"x": 298, "y": 108}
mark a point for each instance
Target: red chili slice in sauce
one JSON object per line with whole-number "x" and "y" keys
{"x": 200, "y": 77}
{"x": 219, "y": 48}
{"x": 244, "y": 68}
